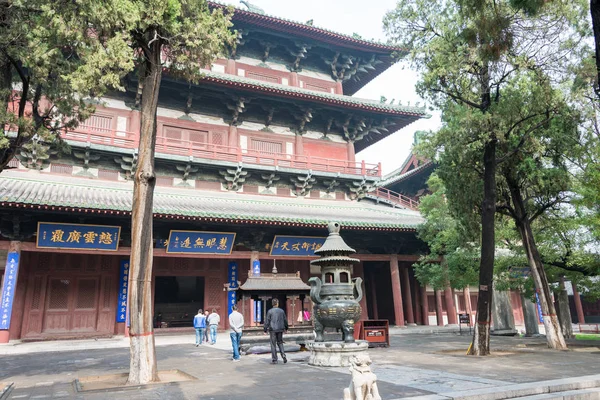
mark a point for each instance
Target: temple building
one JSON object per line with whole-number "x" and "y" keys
{"x": 252, "y": 163}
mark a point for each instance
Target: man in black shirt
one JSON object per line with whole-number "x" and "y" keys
{"x": 276, "y": 323}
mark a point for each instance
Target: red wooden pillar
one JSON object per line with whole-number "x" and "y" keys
{"x": 396, "y": 291}
{"x": 468, "y": 306}
{"x": 294, "y": 79}
{"x": 407, "y": 296}
{"x": 350, "y": 150}
{"x": 450, "y": 309}
{"x": 417, "y": 294}
{"x": 231, "y": 68}
{"x": 424, "y": 305}
{"x": 233, "y": 137}
{"x": 299, "y": 145}
{"x": 439, "y": 312}
{"x": 578, "y": 305}
{"x": 9, "y": 290}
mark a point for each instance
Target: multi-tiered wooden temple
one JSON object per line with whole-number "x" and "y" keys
{"x": 252, "y": 163}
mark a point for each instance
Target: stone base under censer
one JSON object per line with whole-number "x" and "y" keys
{"x": 335, "y": 354}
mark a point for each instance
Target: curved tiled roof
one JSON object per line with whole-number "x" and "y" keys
{"x": 310, "y": 31}
{"x": 392, "y": 178}
{"x": 311, "y": 95}
{"x": 56, "y": 193}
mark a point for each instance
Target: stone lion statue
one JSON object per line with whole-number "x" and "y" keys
{"x": 363, "y": 385}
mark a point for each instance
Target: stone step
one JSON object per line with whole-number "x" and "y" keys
{"x": 585, "y": 394}
{"x": 527, "y": 390}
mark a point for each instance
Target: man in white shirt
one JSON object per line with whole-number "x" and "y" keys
{"x": 236, "y": 322}
{"x": 213, "y": 322}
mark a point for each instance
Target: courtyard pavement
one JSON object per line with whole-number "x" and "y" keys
{"x": 418, "y": 363}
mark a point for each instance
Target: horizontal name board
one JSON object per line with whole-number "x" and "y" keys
{"x": 296, "y": 245}
{"x": 200, "y": 242}
{"x": 78, "y": 236}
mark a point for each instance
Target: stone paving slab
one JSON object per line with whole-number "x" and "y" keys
{"x": 50, "y": 375}
{"x": 414, "y": 365}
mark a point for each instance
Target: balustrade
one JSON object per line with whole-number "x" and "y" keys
{"x": 130, "y": 140}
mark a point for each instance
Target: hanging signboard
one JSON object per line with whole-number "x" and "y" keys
{"x": 77, "y": 236}
{"x": 8, "y": 289}
{"x": 296, "y": 245}
{"x": 200, "y": 242}
{"x": 123, "y": 291}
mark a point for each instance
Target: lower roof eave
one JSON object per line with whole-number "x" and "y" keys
{"x": 220, "y": 220}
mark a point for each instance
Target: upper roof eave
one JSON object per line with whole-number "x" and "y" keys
{"x": 310, "y": 95}
{"x": 309, "y": 31}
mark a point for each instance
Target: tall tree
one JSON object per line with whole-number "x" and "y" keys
{"x": 50, "y": 67}
{"x": 468, "y": 52}
{"x": 448, "y": 240}
{"x": 181, "y": 36}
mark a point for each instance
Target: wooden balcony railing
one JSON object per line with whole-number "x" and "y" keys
{"x": 164, "y": 145}
{"x": 397, "y": 198}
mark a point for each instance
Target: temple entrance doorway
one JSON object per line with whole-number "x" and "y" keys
{"x": 177, "y": 300}
{"x": 378, "y": 286}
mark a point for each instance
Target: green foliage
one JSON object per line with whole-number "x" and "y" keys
{"x": 45, "y": 46}
{"x": 61, "y": 55}
{"x": 453, "y": 256}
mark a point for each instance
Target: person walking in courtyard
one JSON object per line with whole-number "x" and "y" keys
{"x": 200, "y": 326}
{"x": 206, "y": 313}
{"x": 236, "y": 322}
{"x": 276, "y": 323}
{"x": 213, "y": 322}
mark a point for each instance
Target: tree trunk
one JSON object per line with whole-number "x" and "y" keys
{"x": 481, "y": 335}
{"x": 554, "y": 335}
{"x": 595, "y": 12}
{"x": 563, "y": 311}
{"x": 142, "y": 368}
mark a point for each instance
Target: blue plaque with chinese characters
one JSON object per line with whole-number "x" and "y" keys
{"x": 200, "y": 242}
{"x": 8, "y": 289}
{"x": 78, "y": 236}
{"x": 296, "y": 245}
{"x": 232, "y": 271}
{"x": 123, "y": 291}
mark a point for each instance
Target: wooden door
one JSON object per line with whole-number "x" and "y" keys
{"x": 59, "y": 303}
{"x": 85, "y": 304}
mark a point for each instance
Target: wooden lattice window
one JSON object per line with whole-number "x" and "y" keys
{"x": 262, "y": 77}
{"x": 58, "y": 294}
{"x": 61, "y": 169}
{"x": 108, "y": 174}
{"x": 107, "y": 297}
{"x": 174, "y": 134}
{"x": 316, "y": 88}
{"x": 86, "y": 293}
{"x": 219, "y": 138}
{"x": 98, "y": 123}
{"x": 164, "y": 181}
{"x": 37, "y": 293}
{"x": 266, "y": 146}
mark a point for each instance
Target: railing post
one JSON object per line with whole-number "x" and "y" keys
{"x": 239, "y": 153}
{"x": 379, "y": 169}
{"x": 363, "y": 169}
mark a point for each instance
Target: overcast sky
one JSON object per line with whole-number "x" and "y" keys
{"x": 398, "y": 82}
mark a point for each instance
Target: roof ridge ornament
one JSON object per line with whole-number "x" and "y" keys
{"x": 252, "y": 8}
